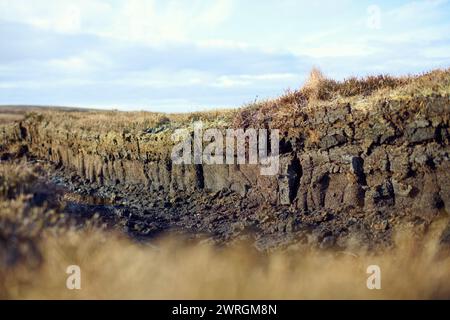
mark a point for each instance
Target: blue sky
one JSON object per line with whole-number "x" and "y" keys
{"x": 185, "y": 55}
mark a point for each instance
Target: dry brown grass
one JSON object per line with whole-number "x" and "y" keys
{"x": 321, "y": 88}
{"x": 15, "y": 179}
{"x": 10, "y": 117}
{"x": 320, "y": 91}
{"x": 314, "y": 84}
{"x": 117, "y": 121}
{"x": 112, "y": 267}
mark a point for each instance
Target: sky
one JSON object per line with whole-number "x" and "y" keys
{"x": 187, "y": 55}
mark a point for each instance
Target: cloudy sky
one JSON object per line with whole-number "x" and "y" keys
{"x": 184, "y": 55}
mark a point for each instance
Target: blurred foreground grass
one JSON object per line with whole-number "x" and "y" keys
{"x": 38, "y": 243}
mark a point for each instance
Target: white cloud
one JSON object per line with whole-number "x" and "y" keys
{"x": 71, "y": 64}
{"x": 223, "y": 44}
{"x": 86, "y": 62}
{"x": 46, "y": 84}
{"x": 415, "y": 11}
{"x": 63, "y": 16}
{"x": 158, "y": 79}
{"x": 203, "y": 51}
{"x": 441, "y": 51}
{"x": 337, "y": 50}
{"x": 175, "y": 21}
{"x": 229, "y": 81}
{"x": 217, "y": 13}
{"x": 144, "y": 21}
